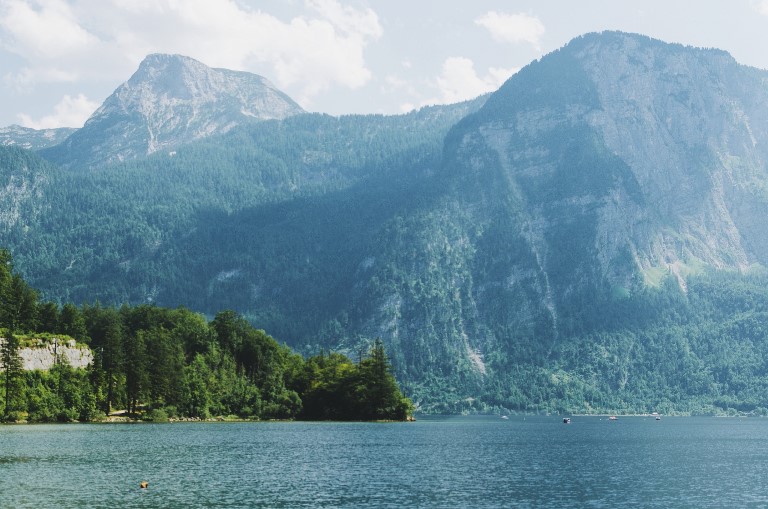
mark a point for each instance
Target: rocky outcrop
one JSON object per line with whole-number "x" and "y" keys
{"x": 44, "y": 354}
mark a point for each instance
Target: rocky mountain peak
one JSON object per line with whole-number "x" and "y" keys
{"x": 179, "y": 79}
{"x": 171, "y": 100}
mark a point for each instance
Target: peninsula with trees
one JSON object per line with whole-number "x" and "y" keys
{"x": 157, "y": 363}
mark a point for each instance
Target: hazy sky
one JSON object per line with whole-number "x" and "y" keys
{"x": 59, "y": 59}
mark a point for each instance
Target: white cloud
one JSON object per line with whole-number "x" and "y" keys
{"x": 348, "y": 19}
{"x": 513, "y": 28}
{"x": 47, "y": 28}
{"x": 761, "y": 7}
{"x": 26, "y": 77}
{"x": 498, "y": 75}
{"x": 459, "y": 81}
{"x": 106, "y": 39}
{"x": 69, "y": 112}
{"x": 394, "y": 84}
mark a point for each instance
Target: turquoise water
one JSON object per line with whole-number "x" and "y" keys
{"x": 456, "y": 462}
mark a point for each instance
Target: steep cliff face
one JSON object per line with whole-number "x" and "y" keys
{"x": 170, "y": 100}
{"x": 692, "y": 126}
{"x": 639, "y": 156}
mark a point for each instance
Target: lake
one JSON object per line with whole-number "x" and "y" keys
{"x": 435, "y": 462}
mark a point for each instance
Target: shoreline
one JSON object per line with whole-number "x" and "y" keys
{"x": 189, "y": 420}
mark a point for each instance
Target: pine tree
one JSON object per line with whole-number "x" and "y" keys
{"x": 13, "y": 371}
{"x": 136, "y": 374}
{"x": 72, "y": 323}
{"x": 380, "y": 395}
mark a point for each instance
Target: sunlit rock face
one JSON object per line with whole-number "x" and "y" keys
{"x": 45, "y": 354}
{"x": 171, "y": 100}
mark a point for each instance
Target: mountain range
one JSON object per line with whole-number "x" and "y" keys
{"x": 33, "y": 139}
{"x": 590, "y": 237}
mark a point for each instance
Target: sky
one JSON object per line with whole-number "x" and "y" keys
{"x": 60, "y": 59}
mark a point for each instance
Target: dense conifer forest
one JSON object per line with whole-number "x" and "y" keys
{"x": 157, "y": 363}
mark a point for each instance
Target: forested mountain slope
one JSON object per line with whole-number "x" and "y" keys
{"x": 118, "y": 233}
{"x": 589, "y": 238}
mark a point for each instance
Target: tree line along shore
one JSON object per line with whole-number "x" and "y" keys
{"x": 173, "y": 364}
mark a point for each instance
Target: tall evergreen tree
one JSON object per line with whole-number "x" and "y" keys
{"x": 136, "y": 375}
{"x": 23, "y": 308}
{"x": 165, "y": 366}
{"x": 72, "y": 323}
{"x": 13, "y": 368}
{"x": 48, "y": 317}
{"x": 378, "y": 393}
{"x": 106, "y": 331}
{"x": 6, "y": 276}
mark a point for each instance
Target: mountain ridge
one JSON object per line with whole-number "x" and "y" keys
{"x": 33, "y": 139}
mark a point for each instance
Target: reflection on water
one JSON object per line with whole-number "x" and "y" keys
{"x": 456, "y": 462}
{"x": 13, "y": 459}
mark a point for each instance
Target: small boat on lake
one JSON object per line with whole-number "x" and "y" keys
{"x": 613, "y": 418}
{"x": 566, "y": 420}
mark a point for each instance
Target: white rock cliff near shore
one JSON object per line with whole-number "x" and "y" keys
{"x": 45, "y": 353}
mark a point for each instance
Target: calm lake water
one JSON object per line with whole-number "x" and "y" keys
{"x": 448, "y": 462}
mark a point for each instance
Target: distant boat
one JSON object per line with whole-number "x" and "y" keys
{"x": 658, "y": 417}
{"x": 566, "y": 420}
{"x": 505, "y": 417}
{"x": 613, "y": 418}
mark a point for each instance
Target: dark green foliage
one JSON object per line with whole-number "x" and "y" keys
{"x": 163, "y": 363}
{"x": 62, "y": 394}
{"x": 18, "y": 302}
{"x": 12, "y": 375}
{"x": 334, "y": 388}
{"x": 700, "y": 352}
{"x": 72, "y": 323}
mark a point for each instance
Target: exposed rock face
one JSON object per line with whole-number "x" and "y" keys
{"x": 171, "y": 100}
{"x": 691, "y": 126}
{"x": 639, "y": 156}
{"x": 45, "y": 354}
